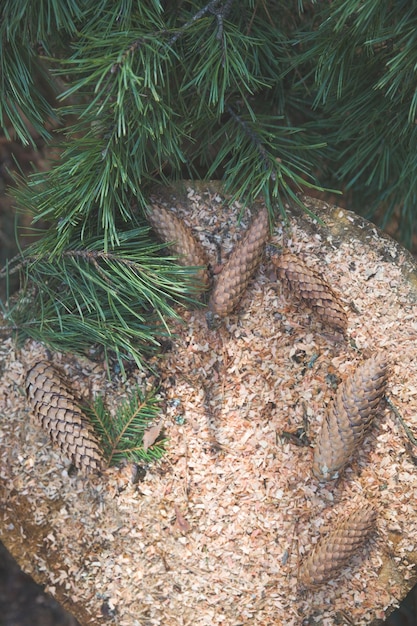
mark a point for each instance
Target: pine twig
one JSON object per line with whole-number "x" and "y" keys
{"x": 221, "y": 15}
{"x": 265, "y": 158}
{"x": 207, "y": 8}
{"x": 397, "y": 414}
{"x": 122, "y": 434}
{"x": 5, "y": 270}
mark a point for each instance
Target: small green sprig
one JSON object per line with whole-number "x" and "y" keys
{"x": 121, "y": 434}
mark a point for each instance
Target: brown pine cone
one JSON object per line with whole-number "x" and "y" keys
{"x": 182, "y": 243}
{"x": 334, "y": 551}
{"x": 56, "y": 409}
{"x": 240, "y": 267}
{"x": 310, "y": 288}
{"x": 357, "y": 400}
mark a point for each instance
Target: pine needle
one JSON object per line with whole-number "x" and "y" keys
{"x": 122, "y": 433}
{"x": 121, "y": 300}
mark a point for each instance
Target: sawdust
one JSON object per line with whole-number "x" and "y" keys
{"x": 215, "y": 534}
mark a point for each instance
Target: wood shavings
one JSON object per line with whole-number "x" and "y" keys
{"x": 253, "y": 508}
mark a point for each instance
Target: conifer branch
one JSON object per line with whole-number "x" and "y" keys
{"x": 264, "y": 96}
{"x": 266, "y": 161}
{"x": 209, "y": 7}
{"x": 122, "y": 433}
{"x": 221, "y": 14}
{"x": 120, "y": 300}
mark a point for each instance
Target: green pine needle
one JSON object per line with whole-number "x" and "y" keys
{"x": 121, "y": 434}
{"x": 122, "y": 300}
{"x": 273, "y": 98}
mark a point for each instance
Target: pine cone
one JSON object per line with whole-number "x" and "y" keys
{"x": 357, "y": 400}
{"x": 240, "y": 267}
{"x": 170, "y": 229}
{"x": 334, "y": 551}
{"x": 57, "y": 411}
{"x": 312, "y": 289}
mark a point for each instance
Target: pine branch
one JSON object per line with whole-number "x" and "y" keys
{"x": 221, "y": 14}
{"x": 36, "y": 22}
{"x": 269, "y": 97}
{"x": 209, "y": 7}
{"x": 122, "y": 434}
{"x": 121, "y": 300}
{"x": 21, "y": 104}
{"x": 267, "y": 159}
{"x": 357, "y": 62}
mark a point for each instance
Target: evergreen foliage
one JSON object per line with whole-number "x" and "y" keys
{"x": 358, "y": 62}
{"x": 121, "y": 434}
{"x": 271, "y": 97}
{"x": 118, "y": 299}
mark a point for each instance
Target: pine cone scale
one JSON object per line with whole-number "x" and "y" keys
{"x": 334, "y": 551}
{"x": 56, "y": 410}
{"x": 349, "y": 416}
{"x": 240, "y": 267}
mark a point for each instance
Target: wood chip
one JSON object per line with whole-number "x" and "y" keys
{"x": 254, "y": 510}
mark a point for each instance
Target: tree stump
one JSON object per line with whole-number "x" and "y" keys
{"x": 217, "y": 532}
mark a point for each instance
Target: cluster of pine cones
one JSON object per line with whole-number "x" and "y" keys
{"x": 234, "y": 278}
{"x": 358, "y": 399}
{"x": 347, "y": 421}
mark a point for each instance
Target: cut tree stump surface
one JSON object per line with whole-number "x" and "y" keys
{"x": 215, "y": 534}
